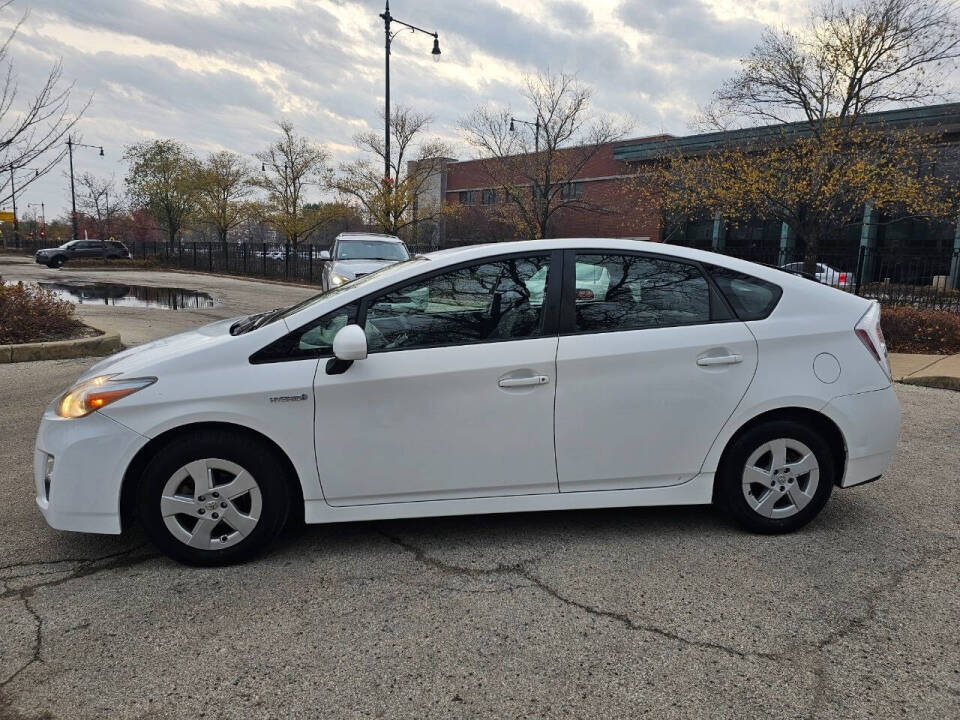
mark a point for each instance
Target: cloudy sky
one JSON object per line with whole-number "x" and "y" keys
{"x": 218, "y": 74}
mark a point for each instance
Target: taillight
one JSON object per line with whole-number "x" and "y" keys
{"x": 869, "y": 332}
{"x": 843, "y": 278}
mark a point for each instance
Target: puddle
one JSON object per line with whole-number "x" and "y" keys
{"x": 122, "y": 295}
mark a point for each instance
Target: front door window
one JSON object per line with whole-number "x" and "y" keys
{"x": 491, "y": 301}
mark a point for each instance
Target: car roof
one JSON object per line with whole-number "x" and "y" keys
{"x": 368, "y": 236}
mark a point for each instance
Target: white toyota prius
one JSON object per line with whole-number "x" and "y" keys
{"x": 483, "y": 380}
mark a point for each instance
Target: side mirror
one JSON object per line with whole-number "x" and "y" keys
{"x": 350, "y": 343}
{"x": 324, "y": 254}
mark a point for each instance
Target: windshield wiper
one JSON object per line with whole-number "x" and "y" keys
{"x": 252, "y": 322}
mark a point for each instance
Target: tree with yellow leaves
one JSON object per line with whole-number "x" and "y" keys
{"x": 827, "y": 156}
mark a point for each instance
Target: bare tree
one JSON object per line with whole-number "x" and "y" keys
{"x": 32, "y": 129}
{"x": 535, "y": 168}
{"x": 222, "y": 186}
{"x": 289, "y": 166}
{"x": 851, "y": 58}
{"x": 161, "y": 181}
{"x": 98, "y": 200}
{"x": 398, "y": 201}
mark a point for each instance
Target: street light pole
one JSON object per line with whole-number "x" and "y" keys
{"x": 13, "y": 195}
{"x": 388, "y": 38}
{"x": 536, "y": 130}
{"x": 73, "y": 194}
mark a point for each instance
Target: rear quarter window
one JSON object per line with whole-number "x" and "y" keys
{"x": 751, "y": 298}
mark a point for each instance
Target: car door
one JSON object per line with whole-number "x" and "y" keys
{"x": 650, "y": 365}
{"x": 455, "y": 398}
{"x": 89, "y": 249}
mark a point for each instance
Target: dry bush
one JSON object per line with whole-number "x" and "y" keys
{"x": 29, "y": 313}
{"x": 911, "y": 330}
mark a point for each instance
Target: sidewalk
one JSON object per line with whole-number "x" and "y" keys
{"x": 932, "y": 370}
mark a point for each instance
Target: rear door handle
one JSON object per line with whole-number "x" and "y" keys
{"x": 523, "y": 381}
{"x": 722, "y": 360}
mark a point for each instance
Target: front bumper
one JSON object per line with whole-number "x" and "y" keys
{"x": 870, "y": 423}
{"x": 90, "y": 456}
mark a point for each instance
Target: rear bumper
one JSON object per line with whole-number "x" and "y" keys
{"x": 870, "y": 423}
{"x": 90, "y": 456}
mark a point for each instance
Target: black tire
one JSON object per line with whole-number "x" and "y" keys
{"x": 255, "y": 457}
{"x": 56, "y": 262}
{"x": 729, "y": 491}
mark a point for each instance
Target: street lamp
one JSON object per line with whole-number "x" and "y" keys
{"x": 13, "y": 199}
{"x": 536, "y": 130}
{"x": 387, "y": 20}
{"x": 43, "y": 215}
{"x": 73, "y": 196}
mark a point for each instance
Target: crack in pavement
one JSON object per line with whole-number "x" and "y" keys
{"x": 88, "y": 567}
{"x": 37, "y": 645}
{"x": 819, "y": 690}
{"x": 860, "y": 622}
{"x": 622, "y": 618}
{"x": 115, "y": 561}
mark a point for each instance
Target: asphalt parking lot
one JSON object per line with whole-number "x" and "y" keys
{"x": 666, "y": 613}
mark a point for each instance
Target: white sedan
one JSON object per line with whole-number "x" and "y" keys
{"x": 825, "y": 274}
{"x": 454, "y": 384}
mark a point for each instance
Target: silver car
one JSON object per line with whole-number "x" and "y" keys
{"x": 355, "y": 254}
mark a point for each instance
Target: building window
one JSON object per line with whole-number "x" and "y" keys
{"x": 488, "y": 197}
{"x": 468, "y": 197}
{"x": 573, "y": 191}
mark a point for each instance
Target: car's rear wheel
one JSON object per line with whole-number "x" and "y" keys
{"x": 213, "y": 498}
{"x": 776, "y": 477}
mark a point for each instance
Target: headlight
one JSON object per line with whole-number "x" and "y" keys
{"x": 97, "y": 393}
{"x": 336, "y": 280}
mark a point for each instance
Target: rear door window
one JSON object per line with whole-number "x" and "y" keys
{"x": 616, "y": 292}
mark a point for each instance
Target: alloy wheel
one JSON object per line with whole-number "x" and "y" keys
{"x": 211, "y": 504}
{"x": 780, "y": 478}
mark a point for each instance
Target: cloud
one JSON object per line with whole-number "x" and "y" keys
{"x": 217, "y": 74}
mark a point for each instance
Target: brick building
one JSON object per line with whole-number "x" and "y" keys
{"x": 604, "y": 183}
{"x": 609, "y": 177}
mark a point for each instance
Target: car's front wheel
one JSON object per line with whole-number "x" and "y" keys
{"x": 213, "y": 498}
{"x": 776, "y": 477}
{"x": 56, "y": 262}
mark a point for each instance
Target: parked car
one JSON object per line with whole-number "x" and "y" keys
{"x": 446, "y": 385}
{"x": 355, "y": 254}
{"x": 826, "y": 275}
{"x": 106, "y": 249}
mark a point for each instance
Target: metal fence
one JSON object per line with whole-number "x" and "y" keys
{"x": 929, "y": 280}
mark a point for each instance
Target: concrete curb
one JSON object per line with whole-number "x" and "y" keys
{"x": 940, "y": 382}
{"x": 105, "y": 344}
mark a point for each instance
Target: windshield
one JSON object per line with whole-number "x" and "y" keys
{"x": 371, "y": 250}
{"x": 376, "y": 274}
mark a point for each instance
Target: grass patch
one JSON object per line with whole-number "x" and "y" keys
{"x": 29, "y": 313}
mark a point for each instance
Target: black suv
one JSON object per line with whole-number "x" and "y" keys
{"x": 103, "y": 249}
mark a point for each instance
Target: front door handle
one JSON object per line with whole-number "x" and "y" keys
{"x": 523, "y": 381}
{"x": 722, "y": 360}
